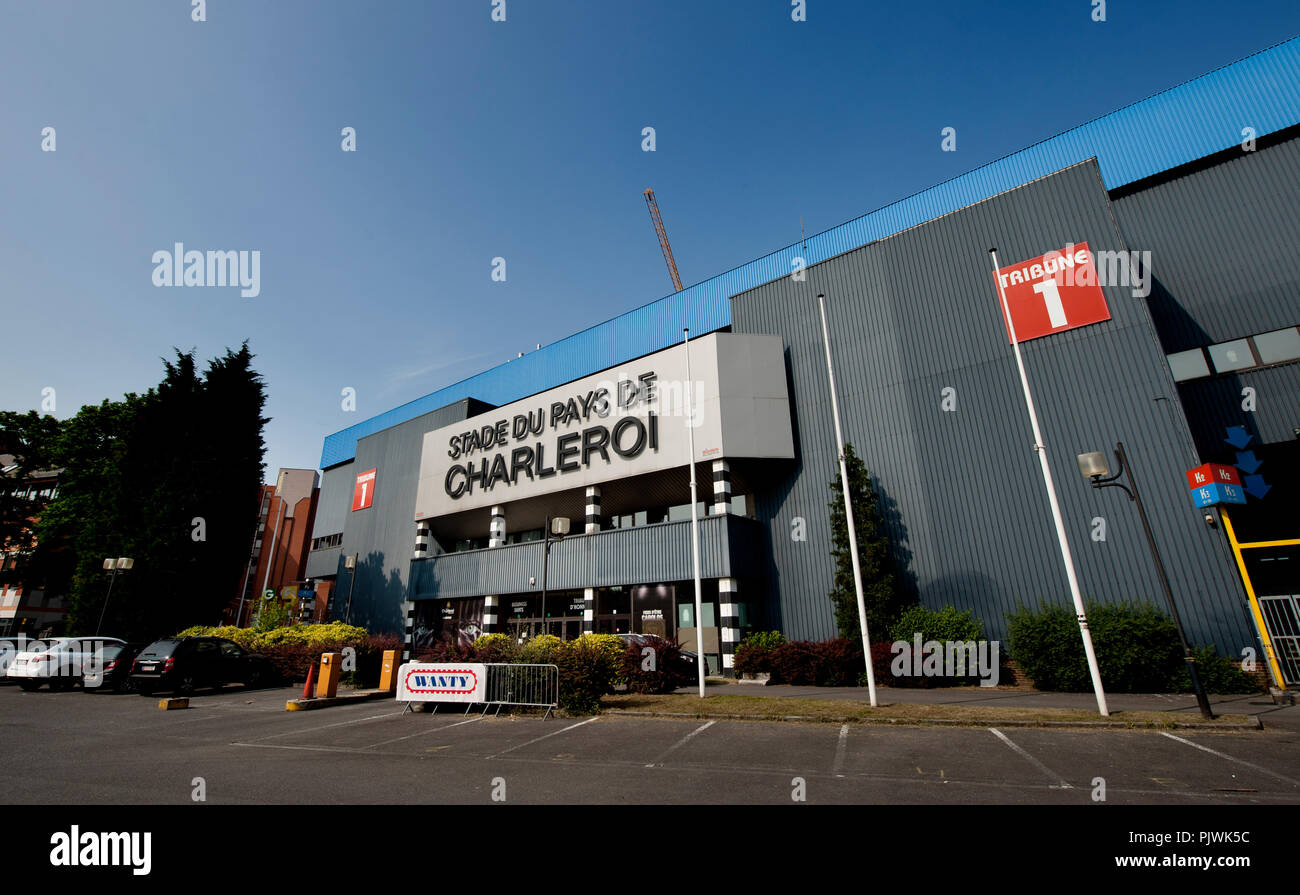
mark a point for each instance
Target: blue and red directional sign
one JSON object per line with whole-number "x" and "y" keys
{"x": 1214, "y": 483}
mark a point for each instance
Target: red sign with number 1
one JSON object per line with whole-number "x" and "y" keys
{"x": 1053, "y": 293}
{"x": 365, "y": 490}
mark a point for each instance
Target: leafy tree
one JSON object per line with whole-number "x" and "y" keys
{"x": 881, "y": 591}
{"x": 29, "y": 440}
{"x": 169, "y": 478}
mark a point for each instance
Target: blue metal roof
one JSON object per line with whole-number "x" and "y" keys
{"x": 1171, "y": 128}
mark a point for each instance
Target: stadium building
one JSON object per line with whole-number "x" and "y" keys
{"x": 1148, "y": 259}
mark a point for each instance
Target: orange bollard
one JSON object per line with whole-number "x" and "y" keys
{"x": 330, "y": 671}
{"x": 311, "y": 676}
{"x": 388, "y": 672}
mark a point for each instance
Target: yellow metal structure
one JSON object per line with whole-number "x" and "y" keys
{"x": 1237, "y": 547}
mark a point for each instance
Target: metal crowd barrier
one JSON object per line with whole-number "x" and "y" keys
{"x": 535, "y": 686}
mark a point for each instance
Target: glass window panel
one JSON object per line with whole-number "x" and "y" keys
{"x": 1279, "y": 345}
{"x": 1188, "y": 365}
{"x": 1235, "y": 355}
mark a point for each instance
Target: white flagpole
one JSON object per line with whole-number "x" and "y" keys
{"x": 1093, "y": 669}
{"x": 848, "y": 510}
{"x": 695, "y": 522}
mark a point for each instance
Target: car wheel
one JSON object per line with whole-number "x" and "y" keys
{"x": 216, "y": 686}
{"x": 255, "y": 678}
{"x": 30, "y": 686}
{"x": 185, "y": 686}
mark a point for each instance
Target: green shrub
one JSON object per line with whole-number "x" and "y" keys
{"x": 1218, "y": 674}
{"x": 754, "y": 654}
{"x": 944, "y": 625}
{"x": 539, "y": 650}
{"x": 587, "y": 671}
{"x": 495, "y": 648}
{"x": 1137, "y": 647}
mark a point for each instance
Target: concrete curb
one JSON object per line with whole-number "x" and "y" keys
{"x": 302, "y": 705}
{"x": 1255, "y": 724}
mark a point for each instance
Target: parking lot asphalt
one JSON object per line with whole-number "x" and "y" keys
{"x": 242, "y": 747}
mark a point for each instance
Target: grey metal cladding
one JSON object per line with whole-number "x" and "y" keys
{"x": 1222, "y": 242}
{"x": 384, "y": 534}
{"x": 323, "y": 563}
{"x": 962, "y": 493}
{"x": 642, "y": 555}
{"x": 333, "y": 503}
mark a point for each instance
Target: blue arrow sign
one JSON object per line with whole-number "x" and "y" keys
{"x": 1238, "y": 437}
{"x": 1246, "y": 461}
{"x": 1255, "y": 486}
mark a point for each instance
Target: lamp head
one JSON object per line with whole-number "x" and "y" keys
{"x": 1093, "y": 465}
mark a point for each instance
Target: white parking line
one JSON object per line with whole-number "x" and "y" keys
{"x": 840, "y": 749}
{"x": 324, "y": 726}
{"x": 543, "y": 737}
{"x": 682, "y": 742}
{"x": 1061, "y": 782}
{"x": 422, "y": 733}
{"x": 1256, "y": 767}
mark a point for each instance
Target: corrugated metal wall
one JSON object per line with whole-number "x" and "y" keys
{"x": 650, "y": 554}
{"x": 962, "y": 492}
{"x": 1172, "y": 128}
{"x": 384, "y": 533}
{"x": 1223, "y": 243}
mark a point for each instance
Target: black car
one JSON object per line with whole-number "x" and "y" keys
{"x": 115, "y": 674}
{"x": 186, "y": 664}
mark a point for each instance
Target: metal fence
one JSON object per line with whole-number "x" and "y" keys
{"x": 535, "y": 686}
{"x": 525, "y": 685}
{"x": 1282, "y": 618}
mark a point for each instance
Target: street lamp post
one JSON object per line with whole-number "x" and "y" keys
{"x": 113, "y": 566}
{"x": 556, "y": 528}
{"x": 1093, "y": 466}
{"x": 350, "y": 562}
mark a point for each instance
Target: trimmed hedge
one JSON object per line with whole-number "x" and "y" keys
{"x": 294, "y": 649}
{"x": 754, "y": 653}
{"x": 1138, "y": 651}
{"x": 943, "y": 625}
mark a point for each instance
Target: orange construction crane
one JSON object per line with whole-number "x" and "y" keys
{"x": 663, "y": 238}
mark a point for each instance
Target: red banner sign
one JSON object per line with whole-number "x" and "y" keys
{"x": 364, "y": 494}
{"x": 1053, "y": 292}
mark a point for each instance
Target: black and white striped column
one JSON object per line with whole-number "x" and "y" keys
{"x": 593, "y": 508}
{"x": 423, "y": 535}
{"x": 588, "y": 610}
{"x": 721, "y": 488}
{"x": 497, "y": 529}
{"x": 729, "y": 606}
{"x": 409, "y": 639}
{"x": 490, "y": 603}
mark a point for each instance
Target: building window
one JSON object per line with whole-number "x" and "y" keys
{"x": 1230, "y": 356}
{"x": 1278, "y": 346}
{"x": 1188, "y": 365}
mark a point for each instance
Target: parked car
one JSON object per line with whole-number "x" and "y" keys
{"x": 10, "y": 647}
{"x": 183, "y": 665}
{"x": 114, "y": 672}
{"x": 61, "y": 662}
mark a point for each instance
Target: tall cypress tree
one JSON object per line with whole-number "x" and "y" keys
{"x": 169, "y": 478}
{"x": 881, "y": 591}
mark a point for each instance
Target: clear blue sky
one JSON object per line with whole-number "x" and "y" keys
{"x": 478, "y": 139}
